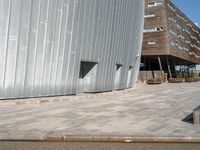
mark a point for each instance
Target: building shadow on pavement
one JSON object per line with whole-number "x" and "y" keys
{"x": 188, "y": 118}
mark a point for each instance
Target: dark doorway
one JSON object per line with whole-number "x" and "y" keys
{"x": 129, "y": 76}
{"x": 87, "y": 76}
{"x": 118, "y": 69}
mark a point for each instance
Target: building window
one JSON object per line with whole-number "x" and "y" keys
{"x": 172, "y": 43}
{"x": 171, "y": 7}
{"x": 158, "y": 29}
{"x": 173, "y": 33}
{"x": 172, "y": 19}
{"x": 151, "y": 4}
{"x": 192, "y": 37}
{"x": 150, "y": 15}
{"x": 181, "y": 36}
{"x": 178, "y": 26}
{"x": 151, "y": 42}
{"x": 187, "y": 42}
{"x": 154, "y": 4}
{"x": 186, "y": 49}
{"x": 186, "y": 30}
{"x": 180, "y": 47}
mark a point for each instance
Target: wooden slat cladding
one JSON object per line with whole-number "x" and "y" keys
{"x": 180, "y": 36}
{"x": 161, "y": 45}
{"x": 185, "y": 29}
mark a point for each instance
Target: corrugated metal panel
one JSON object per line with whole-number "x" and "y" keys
{"x": 43, "y": 42}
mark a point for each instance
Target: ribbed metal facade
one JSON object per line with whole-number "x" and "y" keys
{"x": 60, "y": 47}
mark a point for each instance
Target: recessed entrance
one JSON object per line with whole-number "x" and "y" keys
{"x": 129, "y": 76}
{"x": 118, "y": 69}
{"x": 87, "y": 76}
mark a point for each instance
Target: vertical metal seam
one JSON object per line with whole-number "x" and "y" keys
{"x": 44, "y": 52}
{"x": 45, "y": 49}
{"x": 27, "y": 48}
{"x": 64, "y": 46}
{"x": 70, "y": 44}
{"x": 8, "y": 31}
{"x": 74, "y": 61}
{"x": 81, "y": 47}
{"x": 111, "y": 65}
{"x": 54, "y": 31}
{"x": 17, "y": 54}
{"x": 60, "y": 29}
{"x": 36, "y": 47}
{"x": 59, "y": 50}
{"x": 106, "y": 53}
{"x": 92, "y": 34}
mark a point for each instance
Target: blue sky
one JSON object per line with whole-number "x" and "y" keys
{"x": 190, "y": 7}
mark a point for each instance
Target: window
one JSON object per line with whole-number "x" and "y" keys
{"x": 188, "y": 24}
{"x": 178, "y": 26}
{"x": 150, "y": 15}
{"x": 151, "y": 4}
{"x": 180, "y": 47}
{"x": 172, "y": 19}
{"x": 186, "y": 49}
{"x": 171, "y": 7}
{"x": 198, "y": 48}
{"x": 154, "y": 4}
{"x": 181, "y": 36}
{"x": 173, "y": 33}
{"x": 158, "y": 29}
{"x": 187, "y": 42}
{"x": 186, "y": 30}
{"x": 172, "y": 43}
{"x": 151, "y": 42}
{"x": 192, "y": 37}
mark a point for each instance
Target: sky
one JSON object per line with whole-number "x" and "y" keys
{"x": 189, "y": 7}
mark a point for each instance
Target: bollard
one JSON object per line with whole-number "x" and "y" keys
{"x": 196, "y": 115}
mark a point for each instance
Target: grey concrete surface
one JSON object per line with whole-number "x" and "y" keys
{"x": 147, "y": 110}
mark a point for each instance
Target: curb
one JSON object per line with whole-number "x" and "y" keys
{"x": 117, "y": 139}
{"x": 122, "y": 139}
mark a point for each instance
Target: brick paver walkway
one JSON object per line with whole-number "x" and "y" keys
{"x": 147, "y": 110}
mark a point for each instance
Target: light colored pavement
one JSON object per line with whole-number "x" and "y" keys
{"x": 147, "y": 110}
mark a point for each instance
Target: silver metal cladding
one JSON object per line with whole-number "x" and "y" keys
{"x": 61, "y": 47}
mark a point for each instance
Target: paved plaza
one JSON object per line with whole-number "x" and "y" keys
{"x": 147, "y": 110}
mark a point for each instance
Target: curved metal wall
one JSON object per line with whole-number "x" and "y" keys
{"x": 45, "y": 43}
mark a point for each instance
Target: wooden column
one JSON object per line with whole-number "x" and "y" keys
{"x": 174, "y": 67}
{"x": 169, "y": 69}
{"x": 160, "y": 65}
